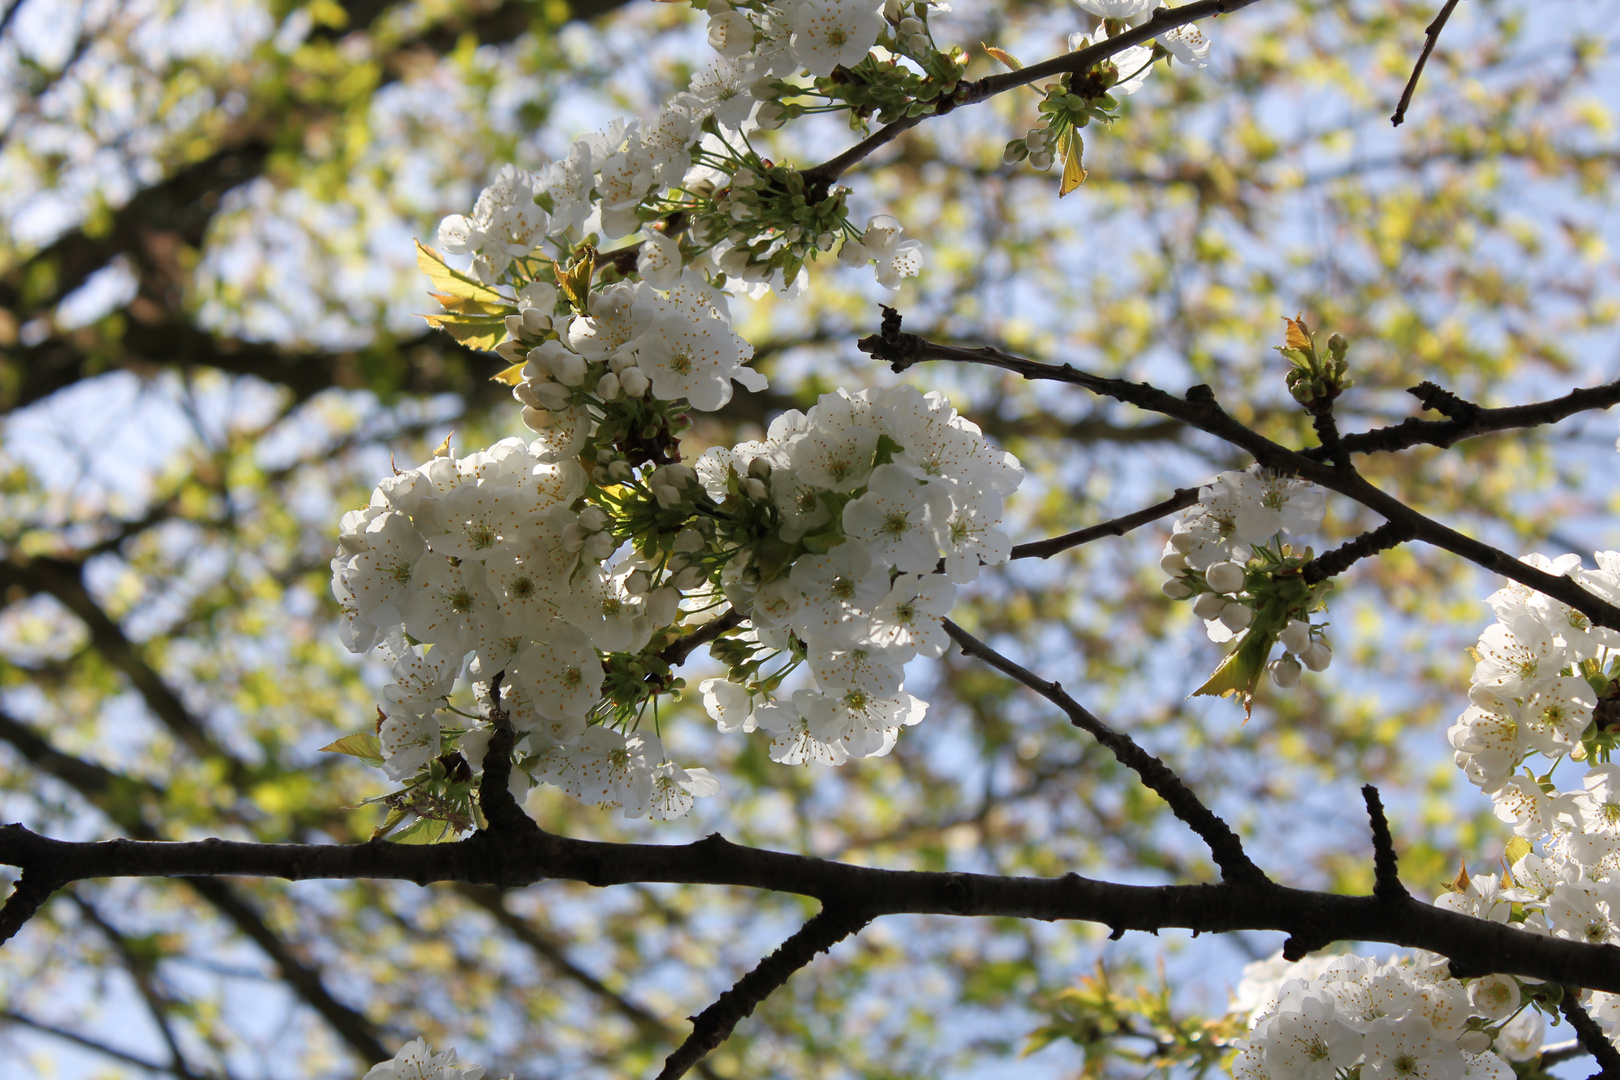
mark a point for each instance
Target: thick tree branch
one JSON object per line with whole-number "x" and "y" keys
{"x": 537, "y": 856}
{"x": 28, "y": 895}
{"x": 714, "y": 1025}
{"x": 1223, "y": 843}
{"x": 122, "y": 799}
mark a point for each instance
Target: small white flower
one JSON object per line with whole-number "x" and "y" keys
{"x": 895, "y": 258}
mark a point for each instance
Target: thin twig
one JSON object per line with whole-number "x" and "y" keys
{"x": 1386, "y": 868}
{"x": 1045, "y": 549}
{"x": 1200, "y": 410}
{"x": 713, "y": 1025}
{"x": 1223, "y": 843}
{"x": 684, "y": 646}
{"x": 1431, "y": 35}
{"x": 821, "y": 177}
{"x": 1335, "y": 562}
{"x": 1592, "y": 1037}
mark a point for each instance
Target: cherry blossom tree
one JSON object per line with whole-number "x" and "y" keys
{"x": 557, "y": 621}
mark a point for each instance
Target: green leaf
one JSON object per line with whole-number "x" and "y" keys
{"x": 456, "y": 284}
{"x": 362, "y": 745}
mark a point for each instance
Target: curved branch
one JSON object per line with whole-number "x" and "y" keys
{"x": 1199, "y": 409}
{"x": 1224, "y": 845}
{"x": 1045, "y": 549}
{"x": 714, "y": 1025}
{"x": 1164, "y": 19}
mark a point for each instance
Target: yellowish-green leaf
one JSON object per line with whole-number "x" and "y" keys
{"x": 473, "y": 331}
{"x": 509, "y": 376}
{"x": 1239, "y": 674}
{"x": 362, "y": 745}
{"x": 1459, "y": 884}
{"x": 455, "y": 282}
{"x": 1298, "y": 337}
{"x": 1070, "y": 148}
{"x": 1515, "y": 849}
{"x": 443, "y": 449}
{"x": 425, "y": 831}
{"x": 1005, "y": 57}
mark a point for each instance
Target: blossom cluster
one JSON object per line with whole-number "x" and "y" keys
{"x": 840, "y": 539}
{"x": 883, "y": 502}
{"x": 1228, "y": 556}
{"x": 1323, "y": 1016}
{"x": 1545, "y": 684}
{"x": 744, "y": 217}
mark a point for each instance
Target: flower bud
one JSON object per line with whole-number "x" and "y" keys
{"x": 635, "y": 583}
{"x": 1040, "y": 159}
{"x": 919, "y": 43}
{"x": 853, "y": 253}
{"x": 769, "y": 115}
{"x": 1176, "y": 589}
{"x": 1172, "y": 561}
{"x": 620, "y": 471}
{"x": 1318, "y": 656}
{"x": 893, "y": 10}
{"x": 1209, "y": 605}
{"x": 1296, "y": 636}
{"x": 1474, "y": 1042}
{"x": 568, "y": 368}
{"x": 593, "y": 519}
{"x": 756, "y": 490}
{"x": 662, "y": 605}
{"x": 1226, "y": 577}
{"x": 1236, "y": 617}
{"x": 510, "y": 351}
{"x": 1183, "y": 541}
{"x": 633, "y": 382}
{"x": 1285, "y": 671}
{"x": 909, "y": 25}
{"x": 535, "y": 321}
{"x": 689, "y": 579}
{"x": 549, "y": 395}
{"x": 524, "y": 392}
{"x": 666, "y": 496}
{"x": 600, "y": 545}
{"x": 514, "y": 325}
{"x": 607, "y": 387}
{"x": 689, "y": 540}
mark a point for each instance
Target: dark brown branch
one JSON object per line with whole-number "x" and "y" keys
{"x": 121, "y": 798}
{"x": 1386, "y": 868}
{"x": 714, "y": 1025}
{"x": 28, "y": 895}
{"x": 1200, "y": 410}
{"x": 1592, "y": 1037}
{"x": 821, "y": 177}
{"x": 502, "y": 814}
{"x": 1446, "y": 433}
{"x": 1439, "y": 399}
{"x": 535, "y": 856}
{"x": 1223, "y": 843}
{"x": 1045, "y": 549}
{"x": 1431, "y": 35}
{"x": 1341, "y": 558}
{"x": 676, "y": 654}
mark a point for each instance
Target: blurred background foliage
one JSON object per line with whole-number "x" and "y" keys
{"x": 208, "y": 351}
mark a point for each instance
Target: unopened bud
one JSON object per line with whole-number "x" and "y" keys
{"x": 1236, "y": 617}
{"x": 1176, "y": 589}
{"x": 756, "y": 490}
{"x": 593, "y": 519}
{"x": 1226, "y": 577}
{"x": 1209, "y": 605}
{"x": 1318, "y": 656}
{"x": 1172, "y": 562}
{"x": 1285, "y": 671}
{"x": 600, "y": 545}
{"x": 688, "y": 540}
{"x": 633, "y": 382}
{"x": 689, "y": 579}
{"x": 1296, "y": 636}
